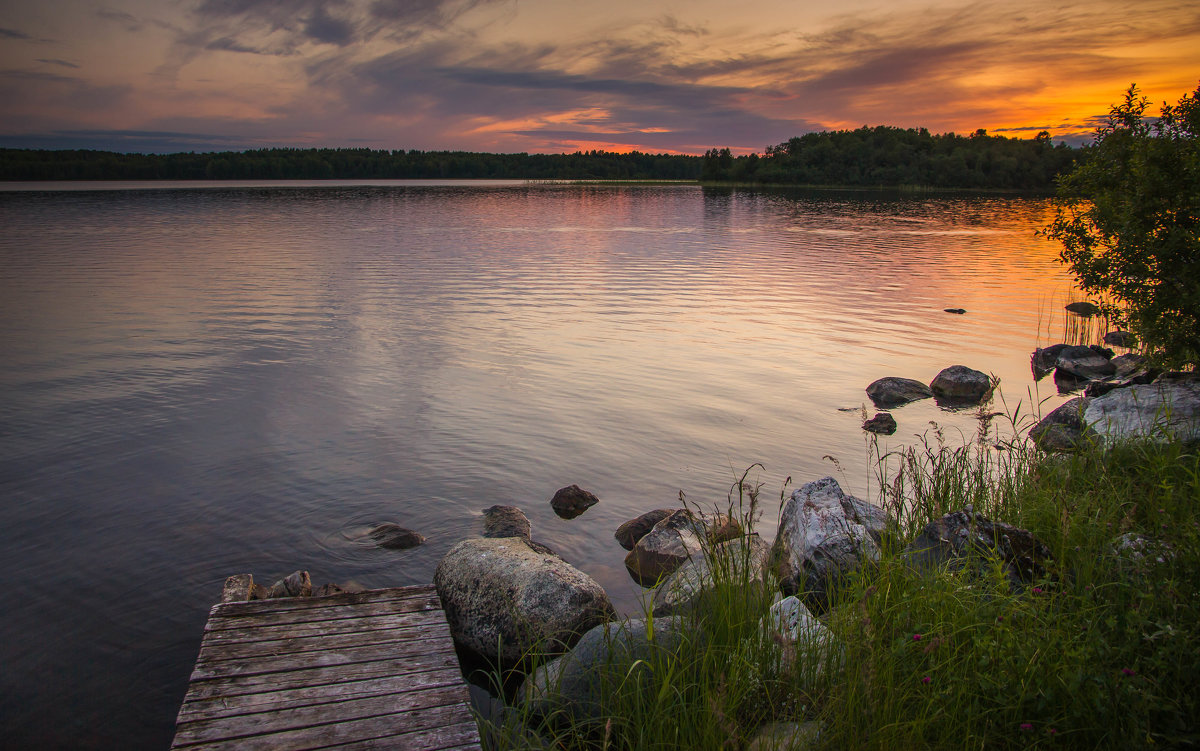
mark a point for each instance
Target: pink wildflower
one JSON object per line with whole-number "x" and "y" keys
{"x": 1027, "y": 726}
{"x": 926, "y": 680}
{"x": 916, "y": 637}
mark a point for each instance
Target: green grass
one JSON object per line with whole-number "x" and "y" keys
{"x": 1104, "y": 653}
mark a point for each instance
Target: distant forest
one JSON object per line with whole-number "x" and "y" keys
{"x": 343, "y": 164}
{"x": 880, "y": 156}
{"x": 898, "y": 156}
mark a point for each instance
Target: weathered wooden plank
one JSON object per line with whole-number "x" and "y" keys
{"x": 311, "y": 603}
{"x": 319, "y": 676}
{"x": 332, "y": 613}
{"x": 227, "y": 706}
{"x": 405, "y": 731}
{"x": 417, "y": 704}
{"x": 429, "y": 637}
{"x": 206, "y": 669}
{"x": 452, "y": 738}
{"x": 430, "y": 619}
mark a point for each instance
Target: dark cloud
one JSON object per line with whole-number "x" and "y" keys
{"x": 56, "y": 61}
{"x": 129, "y": 21}
{"x": 322, "y": 27}
{"x": 130, "y": 141}
{"x": 13, "y": 34}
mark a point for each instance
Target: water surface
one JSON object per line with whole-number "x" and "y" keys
{"x": 202, "y": 381}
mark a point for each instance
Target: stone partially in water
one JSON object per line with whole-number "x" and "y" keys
{"x": 666, "y": 547}
{"x": 633, "y": 530}
{"x": 1083, "y": 309}
{"x": 505, "y": 521}
{"x": 295, "y": 584}
{"x": 894, "y": 392}
{"x": 571, "y": 501}
{"x": 959, "y": 385}
{"x": 395, "y": 537}
{"x": 882, "y": 423}
{"x": 238, "y": 588}
{"x": 1063, "y": 429}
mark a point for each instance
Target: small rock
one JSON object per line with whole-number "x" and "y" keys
{"x": 882, "y": 422}
{"x": 894, "y": 392}
{"x": 395, "y": 537}
{"x": 719, "y": 528}
{"x": 633, "y": 530}
{"x": 259, "y": 592}
{"x": 1043, "y": 360}
{"x": 328, "y": 589}
{"x": 959, "y": 385}
{"x": 666, "y": 547}
{"x": 1063, "y": 429}
{"x": 1083, "y": 309}
{"x": 956, "y": 311}
{"x": 505, "y": 521}
{"x": 295, "y": 584}
{"x": 238, "y": 588}
{"x": 1138, "y": 548}
{"x": 571, "y": 501}
{"x": 1120, "y": 339}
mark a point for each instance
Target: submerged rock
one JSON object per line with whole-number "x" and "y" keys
{"x": 1120, "y": 339}
{"x": 959, "y": 385}
{"x": 1083, "y": 309}
{"x": 821, "y": 539}
{"x": 635, "y": 529}
{"x": 395, "y": 537}
{"x": 502, "y": 598}
{"x": 882, "y": 422}
{"x": 571, "y": 501}
{"x": 894, "y": 392}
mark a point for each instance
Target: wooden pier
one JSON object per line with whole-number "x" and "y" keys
{"x": 371, "y": 670}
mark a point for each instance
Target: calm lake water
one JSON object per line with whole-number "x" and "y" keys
{"x": 203, "y": 381}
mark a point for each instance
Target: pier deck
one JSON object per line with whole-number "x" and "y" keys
{"x": 370, "y": 670}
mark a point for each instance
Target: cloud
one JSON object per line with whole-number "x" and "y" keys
{"x": 323, "y": 27}
{"x": 129, "y": 21}
{"x": 56, "y": 61}
{"x": 133, "y": 141}
{"x": 13, "y": 34}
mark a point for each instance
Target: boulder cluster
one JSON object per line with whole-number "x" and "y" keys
{"x": 954, "y": 387}
{"x": 242, "y": 587}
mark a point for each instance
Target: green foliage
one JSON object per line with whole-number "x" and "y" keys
{"x": 886, "y": 156}
{"x": 343, "y": 164}
{"x": 1129, "y": 222}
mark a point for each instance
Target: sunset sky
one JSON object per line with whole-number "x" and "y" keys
{"x": 563, "y": 75}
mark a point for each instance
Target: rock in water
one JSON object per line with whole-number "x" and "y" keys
{"x": 894, "y": 392}
{"x": 1083, "y": 309}
{"x": 963, "y": 538}
{"x": 666, "y": 547}
{"x": 959, "y": 385}
{"x": 956, "y": 311}
{"x": 571, "y": 501}
{"x": 577, "y": 683}
{"x": 819, "y": 541}
{"x": 1043, "y": 360}
{"x": 295, "y": 584}
{"x": 1152, "y": 411}
{"x": 238, "y": 588}
{"x": 502, "y": 599}
{"x": 1085, "y": 363}
{"x": 882, "y": 422}
{"x": 395, "y": 537}
{"x": 1120, "y": 339}
{"x": 1063, "y": 429}
{"x": 635, "y": 529}
{"x": 505, "y": 521}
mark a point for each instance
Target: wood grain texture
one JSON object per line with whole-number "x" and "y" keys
{"x": 368, "y": 670}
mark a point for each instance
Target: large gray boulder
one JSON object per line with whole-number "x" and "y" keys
{"x": 821, "y": 538}
{"x": 738, "y": 561}
{"x": 1152, "y": 411}
{"x": 966, "y": 540}
{"x": 503, "y": 599}
{"x": 892, "y": 392}
{"x": 959, "y": 385}
{"x": 576, "y": 684}
{"x": 1063, "y": 429}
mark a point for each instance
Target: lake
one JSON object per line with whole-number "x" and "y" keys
{"x": 204, "y": 380}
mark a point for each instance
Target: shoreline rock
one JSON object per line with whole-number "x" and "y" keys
{"x": 890, "y": 392}
{"x": 571, "y": 501}
{"x": 960, "y": 386}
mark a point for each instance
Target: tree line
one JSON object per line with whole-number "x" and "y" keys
{"x": 879, "y": 156}
{"x": 343, "y": 164}
{"x": 887, "y": 156}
